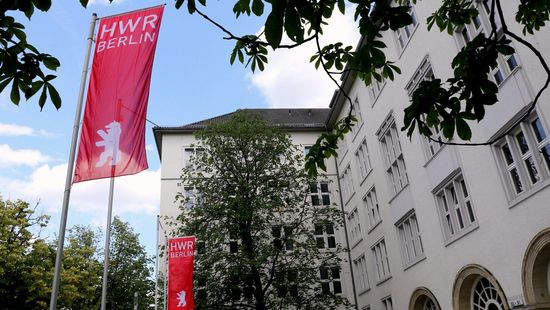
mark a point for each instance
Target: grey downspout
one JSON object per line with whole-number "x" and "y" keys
{"x": 346, "y": 234}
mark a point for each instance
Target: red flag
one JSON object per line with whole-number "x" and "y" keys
{"x": 180, "y": 273}
{"x": 112, "y": 142}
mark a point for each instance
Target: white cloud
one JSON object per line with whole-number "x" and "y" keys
{"x": 290, "y": 80}
{"x": 138, "y": 193}
{"x": 18, "y": 130}
{"x": 105, "y": 2}
{"x": 22, "y": 157}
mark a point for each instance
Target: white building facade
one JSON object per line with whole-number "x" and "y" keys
{"x": 434, "y": 226}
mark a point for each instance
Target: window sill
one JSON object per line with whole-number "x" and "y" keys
{"x": 375, "y": 99}
{"x": 513, "y": 72}
{"x": 356, "y": 131}
{"x": 361, "y": 292}
{"x": 383, "y": 280}
{"x": 349, "y": 198}
{"x": 414, "y": 262}
{"x": 344, "y": 154}
{"x": 461, "y": 234}
{"x": 374, "y": 227}
{"x": 434, "y": 155}
{"x": 354, "y": 244}
{"x": 398, "y": 192}
{"x": 528, "y": 193}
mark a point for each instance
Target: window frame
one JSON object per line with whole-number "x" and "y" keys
{"x": 410, "y": 237}
{"x": 394, "y": 159}
{"x": 346, "y": 179}
{"x": 362, "y": 159}
{"x": 354, "y": 221}
{"x": 406, "y": 32}
{"x": 381, "y": 261}
{"x": 370, "y": 200}
{"x": 331, "y": 279}
{"x": 190, "y": 152}
{"x": 322, "y": 191}
{"x": 325, "y": 235}
{"x": 455, "y": 208}
{"x": 360, "y": 268}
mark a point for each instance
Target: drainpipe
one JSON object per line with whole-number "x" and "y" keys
{"x": 346, "y": 234}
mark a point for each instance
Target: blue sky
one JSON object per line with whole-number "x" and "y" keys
{"x": 191, "y": 80}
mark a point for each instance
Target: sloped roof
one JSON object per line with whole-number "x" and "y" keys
{"x": 289, "y": 119}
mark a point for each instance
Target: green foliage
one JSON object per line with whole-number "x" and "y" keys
{"x": 130, "y": 269}
{"x": 533, "y": 14}
{"x": 250, "y": 182}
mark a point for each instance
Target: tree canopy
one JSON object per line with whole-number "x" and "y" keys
{"x": 260, "y": 235}
{"x": 444, "y": 106}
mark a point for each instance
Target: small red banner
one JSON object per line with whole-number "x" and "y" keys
{"x": 181, "y": 252}
{"x": 112, "y": 142}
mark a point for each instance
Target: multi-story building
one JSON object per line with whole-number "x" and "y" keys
{"x": 433, "y": 226}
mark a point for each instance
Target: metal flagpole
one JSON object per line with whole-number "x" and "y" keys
{"x": 107, "y": 244}
{"x": 70, "y": 167}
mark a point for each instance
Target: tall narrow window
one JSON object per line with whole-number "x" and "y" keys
{"x": 357, "y": 113}
{"x": 393, "y": 157}
{"x": 362, "y": 159}
{"x": 411, "y": 242}
{"x": 387, "y": 303}
{"x": 347, "y": 184}
{"x": 190, "y": 153}
{"x": 382, "y": 263}
{"x": 372, "y": 207}
{"x": 403, "y": 34}
{"x": 360, "y": 271}
{"x": 355, "y": 226}
{"x": 455, "y": 206}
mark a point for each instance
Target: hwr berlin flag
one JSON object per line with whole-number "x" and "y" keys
{"x": 181, "y": 252}
{"x": 112, "y": 142}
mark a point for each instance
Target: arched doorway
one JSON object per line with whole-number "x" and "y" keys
{"x": 476, "y": 288}
{"x": 536, "y": 271}
{"x": 423, "y": 299}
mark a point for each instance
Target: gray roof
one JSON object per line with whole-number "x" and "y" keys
{"x": 289, "y": 119}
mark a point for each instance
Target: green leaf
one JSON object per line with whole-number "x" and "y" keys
{"x": 42, "y": 99}
{"x": 274, "y": 25}
{"x": 258, "y": 7}
{"x": 342, "y": 6}
{"x": 178, "y": 5}
{"x": 20, "y": 34}
{"x": 14, "y": 95}
{"x": 4, "y": 83}
{"x": 463, "y": 130}
{"x": 84, "y": 3}
{"x": 44, "y": 5}
{"x": 33, "y": 89}
{"x": 51, "y": 63}
{"x": 54, "y": 96}
{"x": 29, "y": 12}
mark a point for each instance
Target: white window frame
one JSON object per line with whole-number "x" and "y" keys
{"x": 412, "y": 248}
{"x": 190, "y": 152}
{"x": 362, "y": 276}
{"x": 455, "y": 208}
{"x": 284, "y": 237}
{"x": 403, "y": 35}
{"x": 347, "y": 184}
{"x": 373, "y": 208}
{"x": 381, "y": 261}
{"x": 521, "y": 178}
{"x": 363, "y": 160}
{"x": 191, "y": 195}
{"x": 387, "y": 303}
{"x": 358, "y": 116}
{"x": 325, "y": 232}
{"x": 319, "y": 193}
{"x": 393, "y": 156}
{"x": 505, "y": 65}
{"x": 333, "y": 279}
{"x": 354, "y": 222}
{"x": 375, "y": 88}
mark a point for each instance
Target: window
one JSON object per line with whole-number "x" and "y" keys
{"x": 233, "y": 242}
{"x": 481, "y": 24}
{"x": 189, "y": 153}
{"x": 393, "y": 157}
{"x": 330, "y": 280}
{"x": 282, "y": 238}
{"x": 306, "y": 149}
{"x": 375, "y": 88}
{"x": 285, "y": 283}
{"x": 347, "y": 184}
{"x": 371, "y": 203}
{"x": 405, "y": 33}
{"x": 324, "y": 236}
{"x": 362, "y": 158}
{"x": 525, "y": 156}
{"x": 358, "y": 116}
{"x": 387, "y": 303}
{"x": 455, "y": 207}
{"x": 191, "y": 197}
{"x": 485, "y": 296}
{"x": 382, "y": 263}
{"x": 355, "y": 224}
{"x": 411, "y": 243}
{"x": 343, "y": 146}
{"x": 319, "y": 194}
{"x": 360, "y": 271}
{"x": 425, "y": 73}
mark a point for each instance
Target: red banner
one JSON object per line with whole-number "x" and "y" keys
{"x": 181, "y": 252}
{"x": 112, "y": 142}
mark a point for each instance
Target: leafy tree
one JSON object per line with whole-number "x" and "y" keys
{"x": 24, "y": 257}
{"x": 447, "y": 106}
{"x": 254, "y": 226}
{"x": 80, "y": 286}
{"x": 130, "y": 270}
